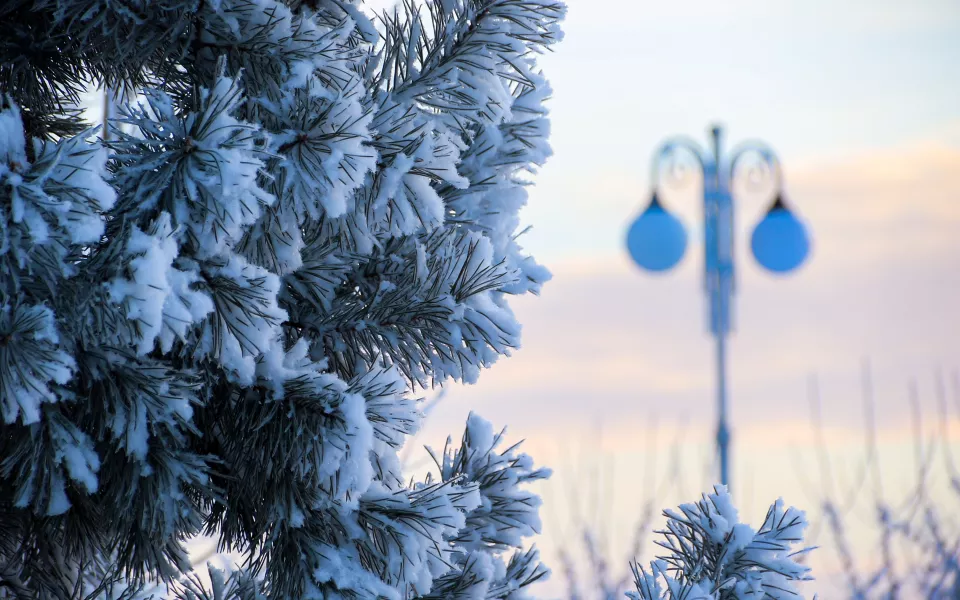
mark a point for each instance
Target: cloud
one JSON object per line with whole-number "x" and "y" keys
{"x": 894, "y": 186}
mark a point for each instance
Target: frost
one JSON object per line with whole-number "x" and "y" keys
{"x": 202, "y": 167}
{"x": 12, "y": 145}
{"x": 33, "y": 360}
{"x": 220, "y": 314}
{"x": 75, "y": 449}
{"x": 715, "y": 557}
{"x": 59, "y": 503}
{"x": 183, "y": 306}
{"x": 59, "y": 195}
{"x": 324, "y": 160}
{"x": 149, "y": 258}
{"x": 507, "y": 512}
{"x": 246, "y": 319}
{"x": 346, "y": 572}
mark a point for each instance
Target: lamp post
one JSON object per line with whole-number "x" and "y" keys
{"x": 657, "y": 241}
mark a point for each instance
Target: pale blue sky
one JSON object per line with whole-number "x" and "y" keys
{"x": 814, "y": 78}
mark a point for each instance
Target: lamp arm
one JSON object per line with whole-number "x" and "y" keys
{"x": 769, "y": 158}
{"x": 668, "y": 151}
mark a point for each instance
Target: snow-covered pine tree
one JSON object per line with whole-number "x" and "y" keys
{"x": 711, "y": 555}
{"x": 218, "y": 320}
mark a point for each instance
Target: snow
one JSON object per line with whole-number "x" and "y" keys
{"x": 211, "y": 170}
{"x": 346, "y": 572}
{"x": 75, "y": 449}
{"x": 148, "y": 257}
{"x": 64, "y": 186}
{"x": 712, "y": 552}
{"x": 283, "y": 254}
{"x": 240, "y": 332}
{"x": 59, "y": 503}
{"x": 183, "y": 306}
{"x": 34, "y": 361}
{"x": 83, "y": 168}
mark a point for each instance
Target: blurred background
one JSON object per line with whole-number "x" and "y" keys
{"x": 614, "y": 385}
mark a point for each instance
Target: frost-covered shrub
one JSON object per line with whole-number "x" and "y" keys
{"x": 918, "y": 550}
{"x": 218, "y": 320}
{"x": 712, "y": 556}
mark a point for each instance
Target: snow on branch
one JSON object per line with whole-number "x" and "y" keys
{"x": 711, "y": 555}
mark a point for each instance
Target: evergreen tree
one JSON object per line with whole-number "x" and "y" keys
{"x": 711, "y": 555}
{"x": 218, "y": 320}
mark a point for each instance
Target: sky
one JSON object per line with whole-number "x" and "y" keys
{"x": 615, "y": 378}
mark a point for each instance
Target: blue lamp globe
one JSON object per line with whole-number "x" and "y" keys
{"x": 656, "y": 239}
{"x": 779, "y": 242}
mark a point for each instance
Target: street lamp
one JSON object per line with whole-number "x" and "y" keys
{"x": 779, "y": 242}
